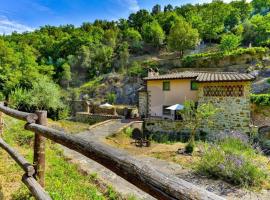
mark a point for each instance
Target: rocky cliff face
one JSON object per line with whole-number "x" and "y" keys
{"x": 124, "y": 87}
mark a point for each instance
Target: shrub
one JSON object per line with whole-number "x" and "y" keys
{"x": 229, "y": 42}
{"x": 235, "y": 162}
{"x": 19, "y": 99}
{"x": 260, "y": 99}
{"x": 111, "y": 98}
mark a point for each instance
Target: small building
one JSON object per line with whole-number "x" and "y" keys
{"x": 228, "y": 91}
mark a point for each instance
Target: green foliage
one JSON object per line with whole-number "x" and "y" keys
{"x": 63, "y": 180}
{"x": 256, "y": 30}
{"x": 136, "y": 69}
{"x": 260, "y": 99}
{"x": 45, "y": 95}
{"x": 229, "y": 42}
{"x": 111, "y": 98}
{"x": 182, "y": 36}
{"x": 19, "y": 99}
{"x": 152, "y": 33}
{"x": 189, "y": 148}
{"x": 235, "y": 162}
{"x": 191, "y": 59}
{"x": 133, "y": 38}
{"x": 196, "y": 116}
{"x": 128, "y": 131}
{"x": 261, "y": 6}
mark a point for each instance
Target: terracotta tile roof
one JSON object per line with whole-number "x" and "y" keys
{"x": 205, "y": 76}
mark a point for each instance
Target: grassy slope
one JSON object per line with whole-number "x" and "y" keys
{"x": 63, "y": 181}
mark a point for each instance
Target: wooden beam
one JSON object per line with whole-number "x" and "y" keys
{"x": 39, "y": 149}
{"x": 37, "y": 191}
{"x": 28, "y": 117}
{"x": 26, "y": 166}
{"x": 159, "y": 184}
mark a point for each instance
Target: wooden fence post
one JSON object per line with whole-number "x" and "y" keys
{"x": 1, "y": 121}
{"x": 39, "y": 149}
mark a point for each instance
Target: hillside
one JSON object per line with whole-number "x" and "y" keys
{"x": 104, "y": 59}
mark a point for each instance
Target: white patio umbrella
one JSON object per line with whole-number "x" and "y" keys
{"x": 106, "y": 105}
{"x": 176, "y": 107}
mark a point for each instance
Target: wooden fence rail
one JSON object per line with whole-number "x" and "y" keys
{"x": 154, "y": 182}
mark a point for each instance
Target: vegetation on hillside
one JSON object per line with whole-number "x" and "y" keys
{"x": 70, "y": 56}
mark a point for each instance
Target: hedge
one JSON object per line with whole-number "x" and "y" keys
{"x": 260, "y": 99}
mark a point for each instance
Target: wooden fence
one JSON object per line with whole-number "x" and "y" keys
{"x": 156, "y": 183}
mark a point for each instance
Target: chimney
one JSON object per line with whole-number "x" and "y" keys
{"x": 152, "y": 73}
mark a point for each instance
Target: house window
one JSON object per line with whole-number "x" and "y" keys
{"x": 166, "y": 111}
{"x": 194, "y": 85}
{"x": 166, "y": 85}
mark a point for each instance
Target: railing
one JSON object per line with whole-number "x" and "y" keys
{"x": 156, "y": 183}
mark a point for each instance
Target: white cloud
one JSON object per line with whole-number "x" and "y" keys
{"x": 8, "y": 26}
{"x": 132, "y": 5}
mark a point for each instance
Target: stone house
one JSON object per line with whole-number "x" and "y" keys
{"x": 228, "y": 91}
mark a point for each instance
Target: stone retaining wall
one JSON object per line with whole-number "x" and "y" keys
{"x": 155, "y": 125}
{"x": 93, "y": 118}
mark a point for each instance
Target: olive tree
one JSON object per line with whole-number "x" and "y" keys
{"x": 194, "y": 118}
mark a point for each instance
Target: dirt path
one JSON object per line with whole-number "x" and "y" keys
{"x": 106, "y": 176}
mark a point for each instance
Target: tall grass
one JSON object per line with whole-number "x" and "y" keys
{"x": 63, "y": 180}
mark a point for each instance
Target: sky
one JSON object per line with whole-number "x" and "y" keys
{"x": 27, "y": 15}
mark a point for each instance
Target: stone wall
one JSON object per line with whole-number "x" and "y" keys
{"x": 155, "y": 125}
{"x": 93, "y": 118}
{"x": 234, "y": 111}
{"x": 143, "y": 104}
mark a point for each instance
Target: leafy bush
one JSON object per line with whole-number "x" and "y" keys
{"x": 19, "y": 99}
{"x": 137, "y": 70}
{"x": 44, "y": 95}
{"x": 111, "y": 98}
{"x": 260, "y": 99}
{"x": 128, "y": 131}
{"x": 229, "y": 42}
{"x": 235, "y": 162}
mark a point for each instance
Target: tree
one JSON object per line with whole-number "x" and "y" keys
{"x": 194, "y": 118}
{"x": 182, "y": 36}
{"x": 134, "y": 39}
{"x": 167, "y": 20}
{"x": 214, "y": 15}
{"x": 229, "y": 42}
{"x": 261, "y": 6}
{"x": 138, "y": 19}
{"x": 153, "y": 34}
{"x": 156, "y": 9}
{"x": 168, "y": 8}
{"x": 110, "y": 37}
{"x": 243, "y": 8}
{"x": 257, "y": 29}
